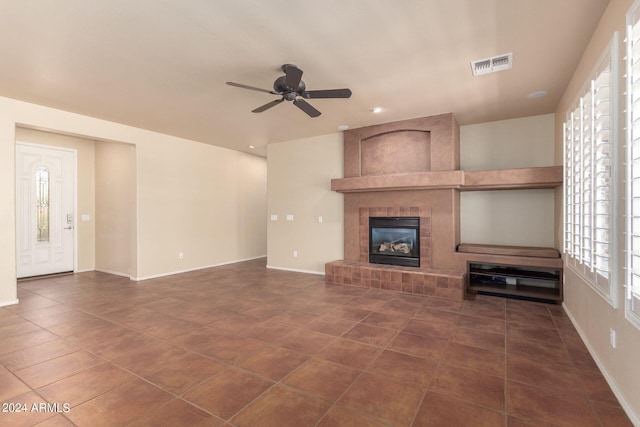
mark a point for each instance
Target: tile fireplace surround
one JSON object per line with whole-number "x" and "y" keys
{"x": 376, "y": 157}
{"x": 423, "y": 281}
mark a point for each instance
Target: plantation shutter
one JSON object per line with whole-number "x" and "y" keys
{"x": 588, "y": 183}
{"x": 633, "y": 166}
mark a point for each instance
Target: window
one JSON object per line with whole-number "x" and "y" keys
{"x": 632, "y": 202}
{"x": 42, "y": 203}
{"x": 588, "y": 180}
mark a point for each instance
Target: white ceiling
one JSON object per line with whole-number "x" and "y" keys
{"x": 162, "y": 64}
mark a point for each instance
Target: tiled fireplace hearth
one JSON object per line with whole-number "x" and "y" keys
{"x": 443, "y": 283}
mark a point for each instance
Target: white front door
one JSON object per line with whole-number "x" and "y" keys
{"x": 45, "y": 204}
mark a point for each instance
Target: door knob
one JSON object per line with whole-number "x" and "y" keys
{"x": 69, "y": 227}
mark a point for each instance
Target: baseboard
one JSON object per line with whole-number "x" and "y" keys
{"x": 295, "y": 270}
{"x": 137, "y": 279}
{"x": 115, "y": 273}
{"x": 635, "y": 420}
{"x": 8, "y": 303}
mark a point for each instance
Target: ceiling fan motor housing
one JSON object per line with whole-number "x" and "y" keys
{"x": 280, "y": 86}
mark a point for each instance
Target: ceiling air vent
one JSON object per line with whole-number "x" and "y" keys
{"x": 491, "y": 65}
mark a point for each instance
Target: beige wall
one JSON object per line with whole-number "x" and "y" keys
{"x": 207, "y": 202}
{"x": 8, "y": 288}
{"x": 592, "y": 315}
{"x": 183, "y": 190}
{"x": 86, "y": 185}
{"x": 115, "y": 195}
{"x": 513, "y": 217}
{"x": 516, "y": 143}
{"x": 299, "y": 184}
{"x": 508, "y": 217}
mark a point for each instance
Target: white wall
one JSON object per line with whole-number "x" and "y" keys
{"x": 508, "y": 217}
{"x": 182, "y": 188}
{"x": 299, "y": 184}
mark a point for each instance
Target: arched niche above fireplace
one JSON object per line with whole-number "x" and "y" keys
{"x": 398, "y": 151}
{"x": 412, "y": 146}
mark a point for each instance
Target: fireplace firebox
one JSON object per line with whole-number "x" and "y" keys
{"x": 394, "y": 241}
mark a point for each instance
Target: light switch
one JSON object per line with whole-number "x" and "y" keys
{"x": 86, "y": 218}
{"x": 320, "y": 219}
{"x": 289, "y": 217}
{"x": 274, "y": 217}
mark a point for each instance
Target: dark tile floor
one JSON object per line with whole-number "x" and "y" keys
{"x": 241, "y": 345}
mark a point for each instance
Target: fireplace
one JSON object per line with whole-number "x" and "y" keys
{"x": 406, "y": 169}
{"x": 394, "y": 241}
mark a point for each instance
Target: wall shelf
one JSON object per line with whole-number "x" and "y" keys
{"x": 502, "y": 179}
{"x": 508, "y": 179}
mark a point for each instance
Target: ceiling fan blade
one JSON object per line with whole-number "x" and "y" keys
{"x": 293, "y": 75}
{"x": 251, "y": 88}
{"x": 267, "y": 106}
{"x": 329, "y": 93}
{"x": 306, "y": 107}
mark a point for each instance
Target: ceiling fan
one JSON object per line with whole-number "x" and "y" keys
{"x": 291, "y": 88}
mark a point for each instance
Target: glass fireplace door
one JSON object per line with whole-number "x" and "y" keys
{"x": 395, "y": 241}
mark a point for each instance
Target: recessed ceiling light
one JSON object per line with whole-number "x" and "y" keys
{"x": 376, "y": 109}
{"x": 537, "y": 94}
{"x": 343, "y": 127}
{"x": 252, "y": 147}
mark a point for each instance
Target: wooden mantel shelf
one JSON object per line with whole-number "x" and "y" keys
{"x": 410, "y": 181}
{"x": 503, "y": 179}
{"x": 542, "y": 177}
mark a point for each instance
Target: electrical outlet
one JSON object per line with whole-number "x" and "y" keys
{"x": 320, "y": 219}
{"x": 289, "y": 217}
{"x": 295, "y": 254}
{"x": 180, "y": 255}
